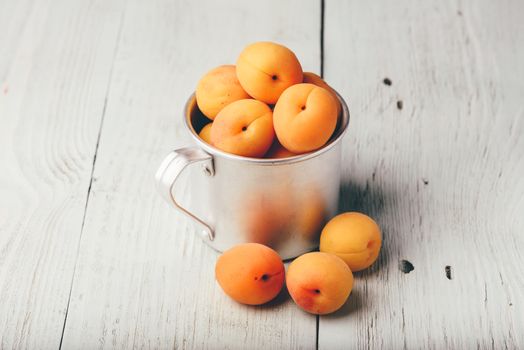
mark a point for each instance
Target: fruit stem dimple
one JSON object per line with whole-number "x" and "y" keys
{"x": 274, "y": 77}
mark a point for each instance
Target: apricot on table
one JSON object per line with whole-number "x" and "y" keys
{"x": 250, "y": 273}
{"x": 354, "y": 237}
{"x": 278, "y": 151}
{"x": 218, "y": 88}
{"x": 244, "y": 128}
{"x": 319, "y": 283}
{"x": 205, "y": 133}
{"x": 305, "y": 117}
{"x": 312, "y": 78}
{"x": 266, "y": 69}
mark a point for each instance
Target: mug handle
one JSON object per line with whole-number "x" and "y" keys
{"x": 169, "y": 171}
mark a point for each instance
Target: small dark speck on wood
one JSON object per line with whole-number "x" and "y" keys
{"x": 459, "y": 13}
{"x": 425, "y": 181}
{"x": 405, "y": 266}
{"x": 448, "y": 272}
{"x": 399, "y": 104}
{"x": 387, "y": 81}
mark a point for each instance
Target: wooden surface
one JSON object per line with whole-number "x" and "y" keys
{"x": 444, "y": 175}
{"x": 91, "y": 94}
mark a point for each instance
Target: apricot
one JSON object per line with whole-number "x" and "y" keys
{"x": 218, "y": 88}
{"x": 354, "y": 237}
{"x": 266, "y": 69}
{"x": 250, "y": 273}
{"x": 319, "y": 283}
{"x": 205, "y": 133}
{"x": 278, "y": 151}
{"x": 244, "y": 128}
{"x": 305, "y": 117}
{"x": 312, "y": 78}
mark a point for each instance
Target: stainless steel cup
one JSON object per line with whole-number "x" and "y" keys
{"x": 282, "y": 203}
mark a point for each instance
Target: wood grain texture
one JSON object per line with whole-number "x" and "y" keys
{"x": 91, "y": 94}
{"x": 442, "y": 172}
{"x": 55, "y": 60}
{"x": 144, "y": 279}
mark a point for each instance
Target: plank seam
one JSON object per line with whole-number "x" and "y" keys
{"x": 322, "y": 7}
{"x": 318, "y": 329}
{"x": 88, "y": 195}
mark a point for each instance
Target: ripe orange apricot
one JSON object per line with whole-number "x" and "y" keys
{"x": 278, "y": 151}
{"x": 319, "y": 283}
{"x": 312, "y": 78}
{"x": 218, "y": 88}
{"x": 244, "y": 128}
{"x": 305, "y": 116}
{"x": 266, "y": 69}
{"x": 354, "y": 237}
{"x": 205, "y": 133}
{"x": 250, "y": 273}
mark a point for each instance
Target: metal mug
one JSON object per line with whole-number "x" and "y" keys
{"x": 282, "y": 203}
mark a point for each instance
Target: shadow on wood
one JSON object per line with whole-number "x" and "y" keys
{"x": 280, "y": 299}
{"x": 368, "y": 199}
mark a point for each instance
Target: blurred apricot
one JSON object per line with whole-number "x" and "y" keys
{"x": 268, "y": 216}
{"x": 312, "y": 214}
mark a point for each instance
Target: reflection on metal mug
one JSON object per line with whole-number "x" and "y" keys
{"x": 282, "y": 203}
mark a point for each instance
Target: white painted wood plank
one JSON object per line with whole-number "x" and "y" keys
{"x": 443, "y": 176}
{"x": 143, "y": 278}
{"x": 55, "y": 60}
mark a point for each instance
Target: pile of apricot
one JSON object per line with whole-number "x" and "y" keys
{"x": 318, "y": 282}
{"x": 266, "y": 106}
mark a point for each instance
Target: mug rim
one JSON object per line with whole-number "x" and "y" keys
{"x": 265, "y": 161}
